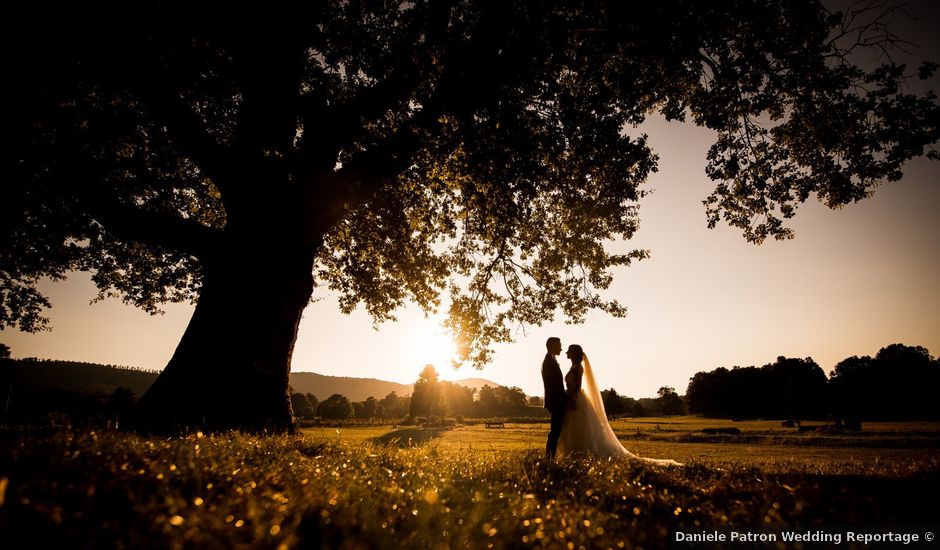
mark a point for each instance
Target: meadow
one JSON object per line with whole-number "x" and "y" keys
{"x": 463, "y": 487}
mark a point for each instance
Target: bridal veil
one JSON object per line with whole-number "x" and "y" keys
{"x": 586, "y": 430}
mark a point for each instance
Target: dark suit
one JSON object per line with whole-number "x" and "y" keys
{"x": 556, "y": 400}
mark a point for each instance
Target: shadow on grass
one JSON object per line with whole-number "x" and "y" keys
{"x": 409, "y": 437}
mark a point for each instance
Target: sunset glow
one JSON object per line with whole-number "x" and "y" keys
{"x": 432, "y": 344}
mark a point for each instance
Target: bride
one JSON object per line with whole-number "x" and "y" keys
{"x": 585, "y": 429}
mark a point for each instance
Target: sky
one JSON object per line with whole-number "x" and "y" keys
{"x": 852, "y": 281}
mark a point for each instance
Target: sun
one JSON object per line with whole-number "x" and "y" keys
{"x": 433, "y": 345}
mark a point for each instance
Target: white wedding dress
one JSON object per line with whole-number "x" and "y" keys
{"x": 586, "y": 430}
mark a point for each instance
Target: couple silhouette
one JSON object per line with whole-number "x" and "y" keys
{"x": 579, "y": 424}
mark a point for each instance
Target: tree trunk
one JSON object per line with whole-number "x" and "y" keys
{"x": 230, "y": 369}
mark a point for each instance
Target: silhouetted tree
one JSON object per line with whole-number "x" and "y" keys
{"x": 369, "y": 407}
{"x": 707, "y": 393}
{"x": 121, "y": 400}
{"x": 795, "y": 388}
{"x": 4, "y": 351}
{"x": 669, "y": 402}
{"x": 336, "y": 407}
{"x": 456, "y": 399}
{"x": 392, "y": 405}
{"x": 621, "y": 405}
{"x": 314, "y": 403}
{"x": 426, "y": 396}
{"x": 240, "y": 156}
{"x": 302, "y": 406}
{"x": 853, "y": 388}
{"x": 488, "y": 404}
{"x": 900, "y": 382}
{"x": 501, "y": 400}
{"x": 612, "y": 403}
{"x": 404, "y": 406}
{"x": 787, "y": 388}
{"x": 512, "y": 398}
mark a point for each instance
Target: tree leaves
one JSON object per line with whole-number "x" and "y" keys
{"x": 471, "y": 155}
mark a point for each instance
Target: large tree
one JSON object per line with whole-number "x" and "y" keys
{"x": 468, "y": 154}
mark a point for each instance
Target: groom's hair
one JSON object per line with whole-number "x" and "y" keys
{"x": 552, "y": 339}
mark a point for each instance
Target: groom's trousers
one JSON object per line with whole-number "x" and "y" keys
{"x": 554, "y": 431}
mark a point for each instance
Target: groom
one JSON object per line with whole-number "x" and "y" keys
{"x": 556, "y": 400}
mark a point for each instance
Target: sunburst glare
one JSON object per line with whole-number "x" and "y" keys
{"x": 433, "y": 344}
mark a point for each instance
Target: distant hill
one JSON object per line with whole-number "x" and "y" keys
{"x": 96, "y": 378}
{"x": 476, "y": 383}
{"x": 360, "y": 389}
{"x": 356, "y": 389}
{"x": 75, "y": 376}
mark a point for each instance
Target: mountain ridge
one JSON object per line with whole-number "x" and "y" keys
{"x": 360, "y": 389}
{"x": 83, "y": 376}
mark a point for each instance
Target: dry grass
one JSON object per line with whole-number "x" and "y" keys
{"x": 466, "y": 487}
{"x": 883, "y": 448}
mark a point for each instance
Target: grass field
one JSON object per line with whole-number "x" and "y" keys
{"x": 883, "y": 448}
{"x": 466, "y": 487}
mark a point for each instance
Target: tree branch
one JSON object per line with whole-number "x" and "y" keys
{"x": 152, "y": 85}
{"x": 342, "y": 123}
{"x": 473, "y": 74}
{"x": 156, "y": 228}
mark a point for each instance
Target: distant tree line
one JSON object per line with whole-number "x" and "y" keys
{"x": 31, "y": 405}
{"x": 62, "y": 364}
{"x": 431, "y": 397}
{"x": 900, "y": 382}
{"x": 434, "y": 397}
{"x": 306, "y": 406}
{"x": 42, "y": 391}
{"x": 667, "y": 402}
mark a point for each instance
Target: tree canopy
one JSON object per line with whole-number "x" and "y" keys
{"x": 336, "y": 407}
{"x": 786, "y": 388}
{"x": 472, "y": 155}
{"x": 898, "y": 383}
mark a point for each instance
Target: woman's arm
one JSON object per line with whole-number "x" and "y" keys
{"x": 574, "y": 385}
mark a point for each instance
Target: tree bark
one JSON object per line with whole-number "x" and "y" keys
{"x": 230, "y": 370}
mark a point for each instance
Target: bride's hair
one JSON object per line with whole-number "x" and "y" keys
{"x": 577, "y": 354}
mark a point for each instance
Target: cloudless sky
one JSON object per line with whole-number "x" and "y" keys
{"x": 853, "y": 281}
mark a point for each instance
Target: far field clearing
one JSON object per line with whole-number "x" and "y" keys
{"x": 881, "y": 448}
